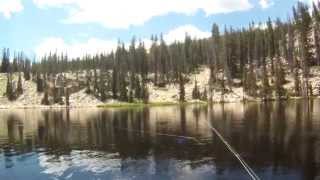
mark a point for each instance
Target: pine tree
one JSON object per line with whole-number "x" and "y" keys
{"x": 303, "y": 23}
{"x": 182, "y": 92}
{"x": 9, "y": 91}
{"x": 251, "y": 82}
{"x": 188, "y": 50}
{"x": 215, "y": 45}
{"x": 27, "y": 68}
{"x": 114, "y": 83}
{"x": 123, "y": 89}
{"x": 266, "y": 92}
{"x": 204, "y": 95}
{"x": 131, "y": 94}
{"x": 266, "y": 89}
{"x": 297, "y": 83}
{"x": 145, "y": 92}
{"x": 223, "y": 86}
{"x": 164, "y": 56}
{"x": 283, "y": 39}
{"x": 19, "y": 88}
{"x": 310, "y": 90}
{"x": 15, "y": 67}
{"x": 67, "y": 96}
{"x": 271, "y": 43}
{"x": 196, "y": 91}
{"x": 316, "y": 31}
{"x": 142, "y": 52}
{"x": 211, "y": 90}
{"x": 138, "y": 88}
{"x": 5, "y": 65}
{"x": 102, "y": 88}
{"x": 216, "y": 41}
{"x": 242, "y": 51}
{"x": 291, "y": 45}
{"x": 45, "y": 99}
{"x": 280, "y": 79}
{"x": 95, "y": 81}
{"x": 56, "y": 95}
{"x": 226, "y": 54}
{"x": 40, "y": 83}
{"x": 88, "y": 88}
{"x": 154, "y": 58}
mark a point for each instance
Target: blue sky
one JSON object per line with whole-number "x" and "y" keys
{"x": 88, "y": 26}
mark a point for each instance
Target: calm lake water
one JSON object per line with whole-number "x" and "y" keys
{"x": 279, "y": 141}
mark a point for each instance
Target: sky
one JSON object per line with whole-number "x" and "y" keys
{"x": 81, "y": 27}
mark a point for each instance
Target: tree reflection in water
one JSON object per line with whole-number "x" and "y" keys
{"x": 278, "y": 140}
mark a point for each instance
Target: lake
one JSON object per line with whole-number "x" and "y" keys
{"x": 278, "y": 141}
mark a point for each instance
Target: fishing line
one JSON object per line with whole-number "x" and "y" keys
{"x": 252, "y": 174}
{"x": 162, "y": 134}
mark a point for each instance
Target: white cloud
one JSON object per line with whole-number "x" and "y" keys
{"x": 310, "y": 2}
{"x": 262, "y": 26}
{"x": 94, "y": 45}
{"x": 9, "y": 7}
{"x": 54, "y": 3}
{"x": 91, "y": 46}
{"x": 179, "y": 33}
{"x": 123, "y": 13}
{"x": 266, "y": 3}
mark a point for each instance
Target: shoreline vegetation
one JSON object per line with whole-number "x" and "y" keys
{"x": 158, "y": 97}
{"x": 273, "y": 60}
{"x": 151, "y": 104}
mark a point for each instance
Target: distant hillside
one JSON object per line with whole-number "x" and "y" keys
{"x": 265, "y": 61}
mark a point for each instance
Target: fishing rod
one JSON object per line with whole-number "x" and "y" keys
{"x": 249, "y": 170}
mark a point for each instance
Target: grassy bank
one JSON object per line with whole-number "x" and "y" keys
{"x": 152, "y": 104}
